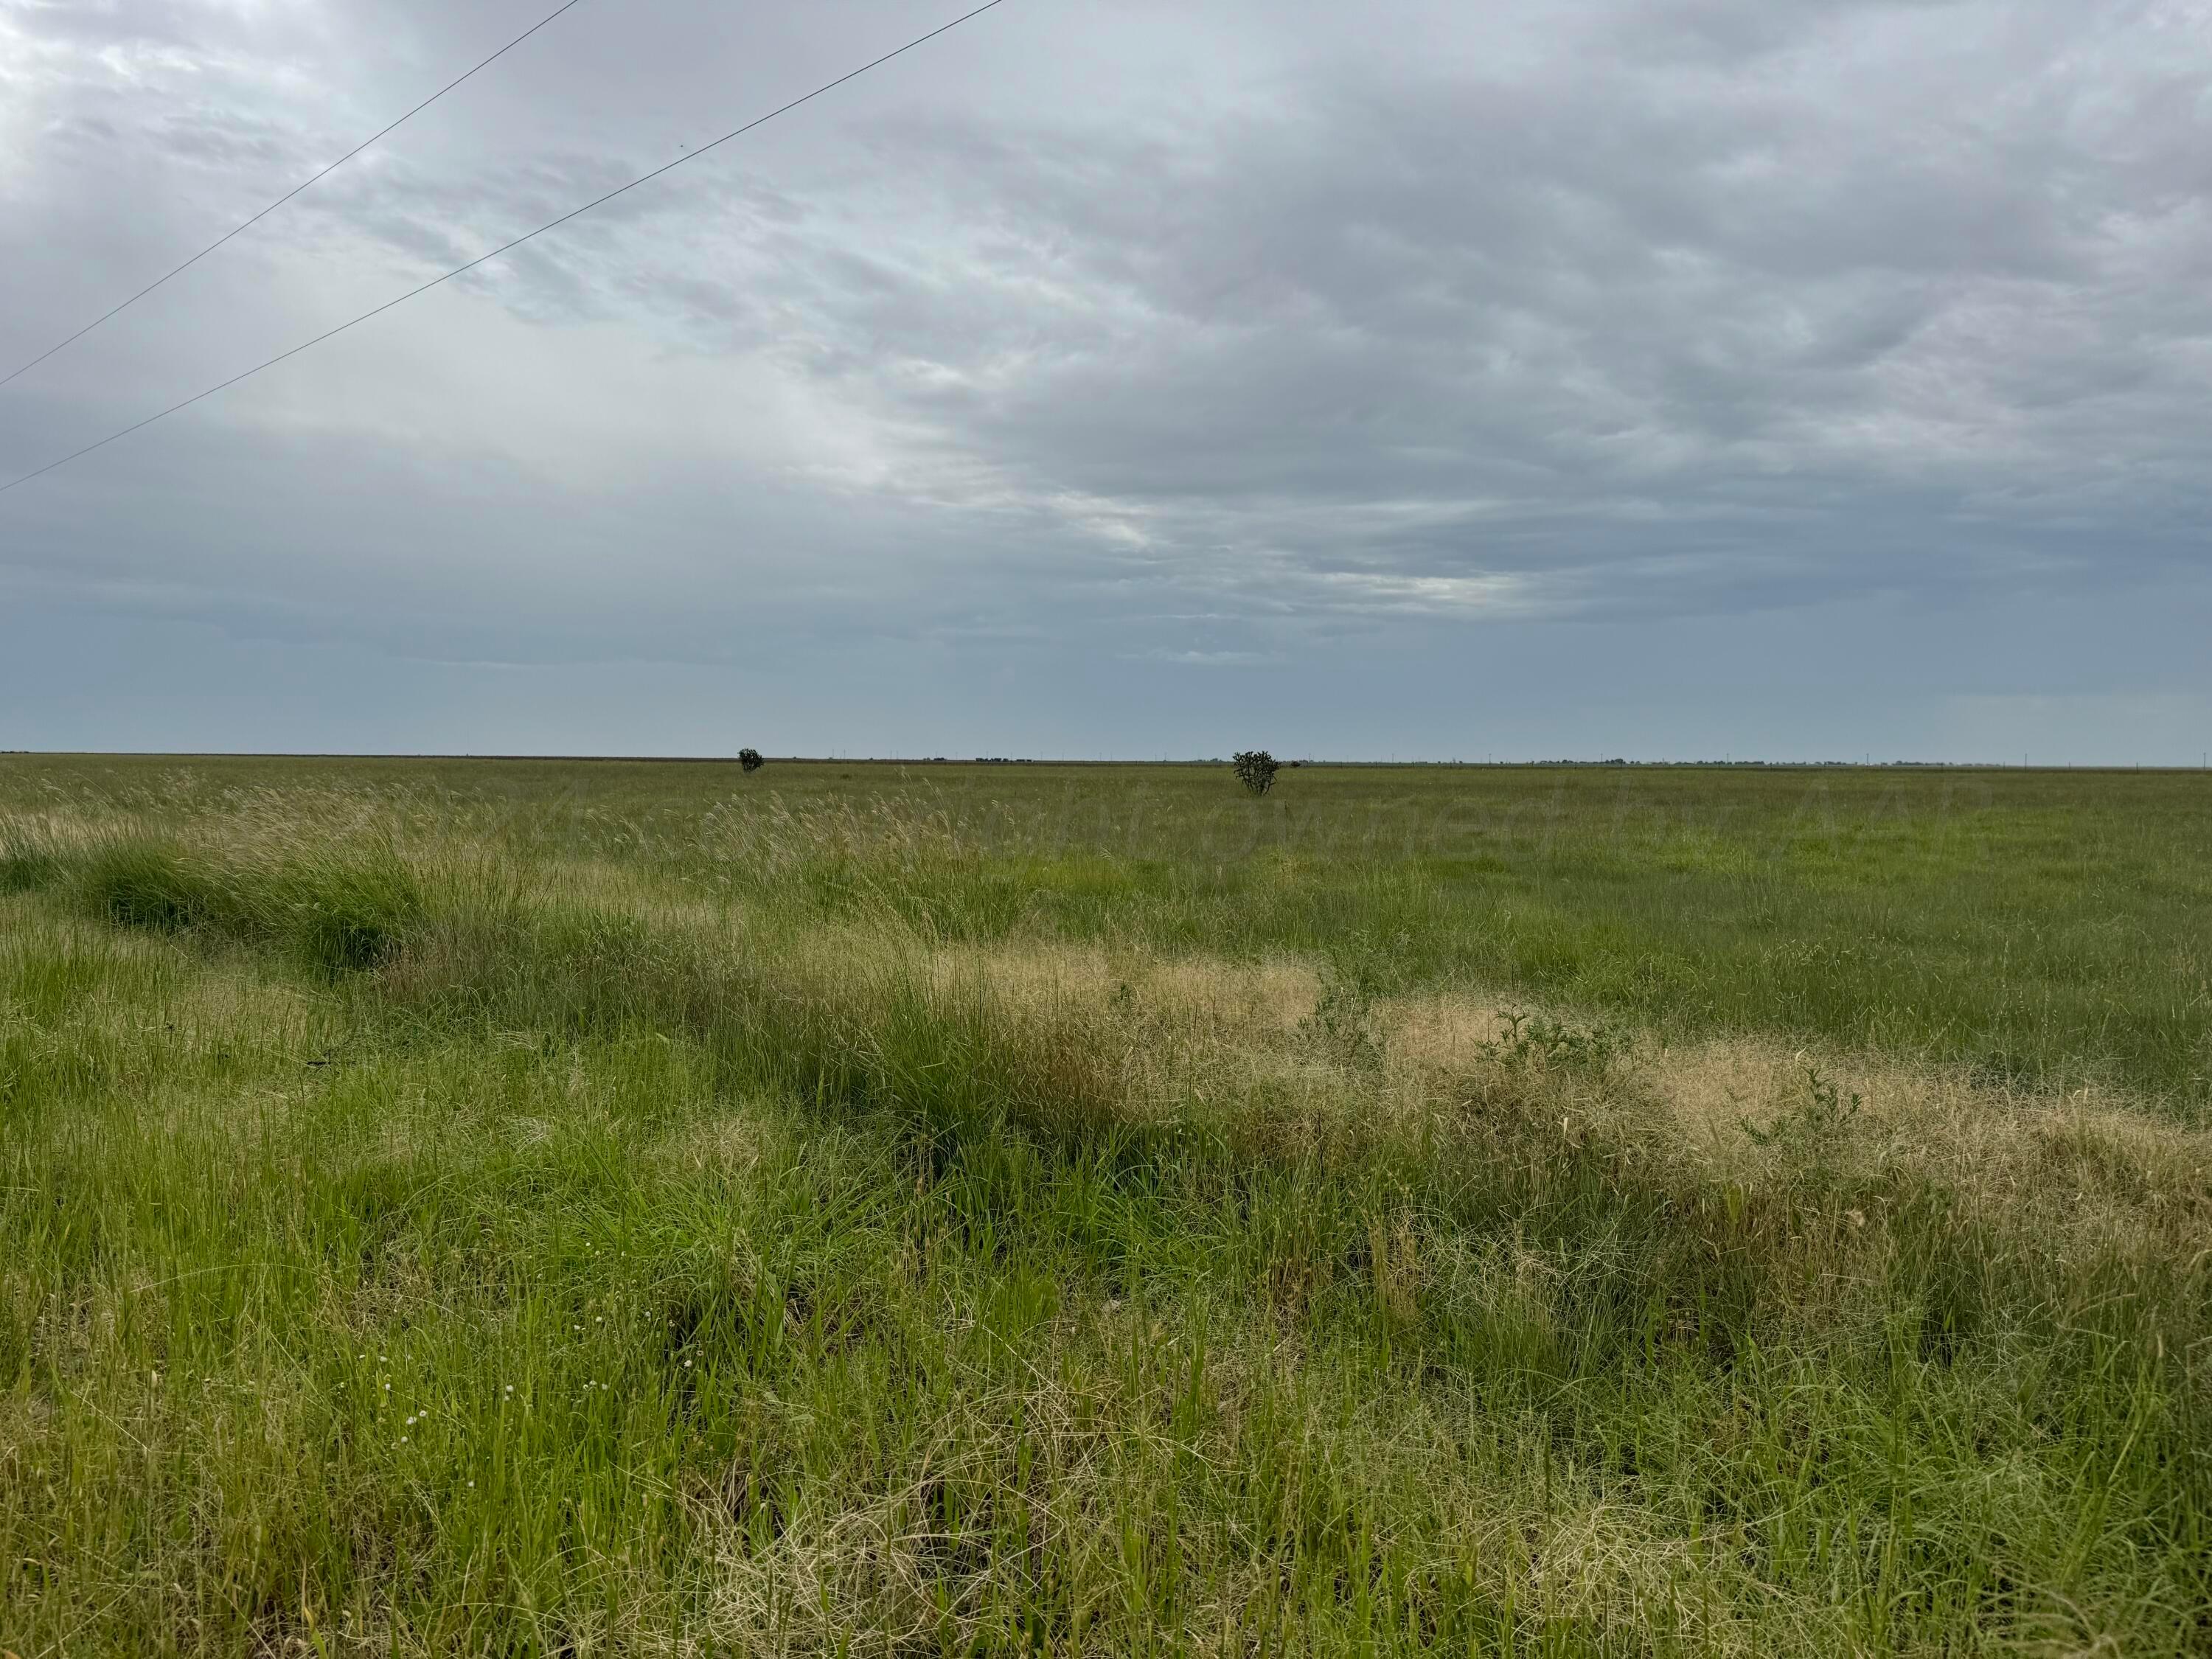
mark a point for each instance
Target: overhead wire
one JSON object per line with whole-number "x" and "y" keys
{"x": 504, "y": 247}
{"x": 248, "y": 224}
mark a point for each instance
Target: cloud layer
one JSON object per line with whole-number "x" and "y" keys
{"x": 1104, "y": 377}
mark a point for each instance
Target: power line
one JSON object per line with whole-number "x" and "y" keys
{"x": 504, "y": 247}
{"x": 290, "y": 193}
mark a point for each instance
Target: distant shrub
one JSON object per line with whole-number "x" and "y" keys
{"x": 1256, "y": 769}
{"x": 750, "y": 759}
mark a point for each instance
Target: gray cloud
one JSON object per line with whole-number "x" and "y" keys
{"x": 1107, "y": 334}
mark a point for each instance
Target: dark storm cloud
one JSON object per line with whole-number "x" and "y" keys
{"x": 1218, "y": 337}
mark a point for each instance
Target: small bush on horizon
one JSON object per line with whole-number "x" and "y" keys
{"x": 750, "y": 759}
{"x": 1256, "y": 769}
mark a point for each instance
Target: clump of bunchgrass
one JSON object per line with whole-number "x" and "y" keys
{"x": 143, "y": 884}
{"x": 28, "y": 861}
{"x": 338, "y": 910}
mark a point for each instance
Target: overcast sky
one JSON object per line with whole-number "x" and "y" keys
{"x": 1791, "y": 378}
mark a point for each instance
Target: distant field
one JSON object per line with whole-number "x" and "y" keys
{"x": 2045, "y": 928}
{"x": 618, "y": 1207}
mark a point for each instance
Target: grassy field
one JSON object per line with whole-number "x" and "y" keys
{"x": 604, "y": 1207}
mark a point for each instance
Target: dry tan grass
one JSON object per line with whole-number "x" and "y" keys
{"x": 2107, "y": 1170}
{"x": 731, "y": 1143}
{"x": 1160, "y": 1029}
{"x": 59, "y": 830}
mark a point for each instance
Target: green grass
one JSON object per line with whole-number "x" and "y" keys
{"x": 610, "y": 1208}
{"x": 2046, "y": 928}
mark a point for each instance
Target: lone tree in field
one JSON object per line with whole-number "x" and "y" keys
{"x": 1256, "y": 770}
{"x": 750, "y": 759}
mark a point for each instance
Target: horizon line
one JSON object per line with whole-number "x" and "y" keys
{"x": 1725, "y": 763}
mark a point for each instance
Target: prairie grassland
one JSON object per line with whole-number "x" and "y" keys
{"x": 537, "y": 1208}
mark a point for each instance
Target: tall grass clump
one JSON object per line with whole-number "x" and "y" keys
{"x": 28, "y": 862}
{"x": 339, "y": 911}
{"x": 861, "y": 1016}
